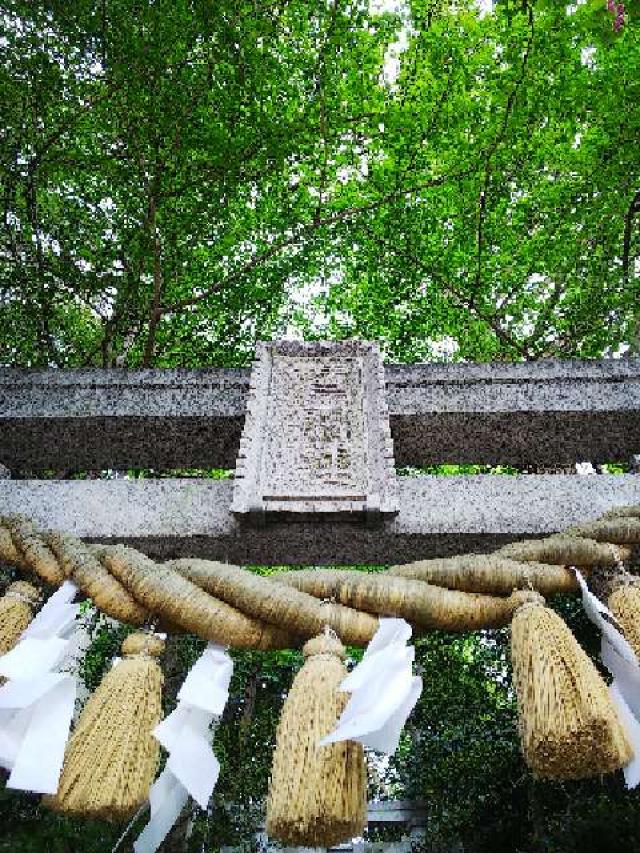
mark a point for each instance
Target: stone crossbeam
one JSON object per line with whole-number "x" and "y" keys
{"x": 438, "y": 516}
{"x": 542, "y": 413}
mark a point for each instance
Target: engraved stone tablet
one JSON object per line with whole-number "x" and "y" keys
{"x": 316, "y": 436}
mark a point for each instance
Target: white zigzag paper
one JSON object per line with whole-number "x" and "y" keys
{"x": 622, "y": 662}
{"x": 383, "y": 690}
{"x": 192, "y": 769}
{"x": 36, "y": 704}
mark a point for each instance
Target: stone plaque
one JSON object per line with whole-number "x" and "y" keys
{"x": 316, "y": 435}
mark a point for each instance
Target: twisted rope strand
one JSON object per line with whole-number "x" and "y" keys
{"x": 233, "y": 606}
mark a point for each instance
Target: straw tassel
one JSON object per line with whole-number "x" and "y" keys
{"x": 112, "y": 756}
{"x": 317, "y": 795}
{"x": 568, "y": 725}
{"x": 624, "y": 603}
{"x": 16, "y": 611}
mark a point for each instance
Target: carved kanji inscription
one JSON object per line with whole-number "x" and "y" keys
{"x": 316, "y": 436}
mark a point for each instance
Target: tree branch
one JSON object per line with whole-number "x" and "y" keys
{"x": 511, "y": 100}
{"x": 304, "y": 229}
{"x": 462, "y": 300}
{"x": 632, "y": 212}
{"x": 155, "y": 313}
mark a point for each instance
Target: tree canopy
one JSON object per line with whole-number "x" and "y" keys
{"x": 181, "y": 178}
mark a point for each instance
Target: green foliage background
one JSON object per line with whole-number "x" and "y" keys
{"x": 181, "y": 178}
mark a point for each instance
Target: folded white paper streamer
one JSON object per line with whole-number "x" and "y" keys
{"x": 383, "y": 690}
{"x": 36, "y": 704}
{"x": 191, "y": 769}
{"x": 622, "y": 662}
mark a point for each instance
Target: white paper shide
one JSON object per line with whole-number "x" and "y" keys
{"x": 383, "y": 690}
{"x": 37, "y": 701}
{"x": 622, "y": 662}
{"x": 191, "y": 769}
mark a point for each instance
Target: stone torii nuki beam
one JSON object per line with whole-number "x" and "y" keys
{"x": 438, "y": 516}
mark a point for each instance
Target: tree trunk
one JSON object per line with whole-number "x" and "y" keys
{"x": 155, "y": 314}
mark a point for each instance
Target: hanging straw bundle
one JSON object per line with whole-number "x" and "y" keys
{"x": 317, "y": 795}
{"x": 624, "y": 603}
{"x": 16, "y": 611}
{"x": 112, "y": 757}
{"x": 568, "y": 725}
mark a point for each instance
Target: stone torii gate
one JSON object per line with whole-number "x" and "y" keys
{"x": 315, "y": 475}
{"x": 316, "y": 433}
